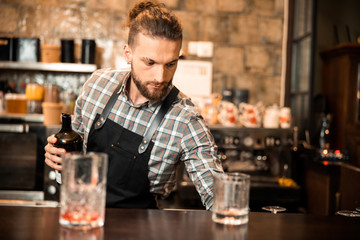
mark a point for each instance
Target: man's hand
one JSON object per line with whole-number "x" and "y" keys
{"x": 52, "y": 154}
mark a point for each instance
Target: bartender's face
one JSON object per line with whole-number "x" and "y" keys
{"x": 153, "y": 64}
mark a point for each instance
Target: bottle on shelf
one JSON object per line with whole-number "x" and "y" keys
{"x": 325, "y": 132}
{"x": 68, "y": 139}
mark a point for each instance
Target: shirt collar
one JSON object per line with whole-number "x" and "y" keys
{"x": 124, "y": 82}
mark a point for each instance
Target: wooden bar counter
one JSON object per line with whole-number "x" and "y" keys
{"x": 18, "y": 222}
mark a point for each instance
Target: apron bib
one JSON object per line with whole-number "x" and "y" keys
{"x": 128, "y": 185}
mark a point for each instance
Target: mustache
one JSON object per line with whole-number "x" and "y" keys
{"x": 156, "y": 83}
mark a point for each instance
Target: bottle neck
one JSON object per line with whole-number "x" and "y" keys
{"x": 66, "y": 123}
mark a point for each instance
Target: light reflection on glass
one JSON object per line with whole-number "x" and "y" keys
{"x": 76, "y": 234}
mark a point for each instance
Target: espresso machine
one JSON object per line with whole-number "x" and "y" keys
{"x": 266, "y": 154}
{"x": 263, "y": 153}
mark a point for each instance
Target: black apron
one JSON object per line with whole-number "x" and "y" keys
{"x": 128, "y": 185}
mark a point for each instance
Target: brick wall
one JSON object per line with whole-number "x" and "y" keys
{"x": 247, "y": 34}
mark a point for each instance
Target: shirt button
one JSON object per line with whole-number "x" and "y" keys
{"x": 145, "y": 142}
{"x": 101, "y": 119}
{"x": 142, "y": 147}
{"x": 134, "y": 157}
{"x": 112, "y": 145}
{"x": 98, "y": 123}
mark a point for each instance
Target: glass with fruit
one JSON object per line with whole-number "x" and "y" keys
{"x": 83, "y": 190}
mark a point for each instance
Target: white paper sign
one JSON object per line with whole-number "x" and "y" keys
{"x": 194, "y": 78}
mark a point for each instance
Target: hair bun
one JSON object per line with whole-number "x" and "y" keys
{"x": 142, "y": 6}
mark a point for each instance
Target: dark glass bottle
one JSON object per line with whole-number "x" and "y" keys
{"x": 325, "y": 132}
{"x": 68, "y": 138}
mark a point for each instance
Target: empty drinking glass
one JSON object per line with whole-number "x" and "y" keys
{"x": 231, "y": 198}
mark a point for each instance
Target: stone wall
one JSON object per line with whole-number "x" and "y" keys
{"x": 247, "y": 34}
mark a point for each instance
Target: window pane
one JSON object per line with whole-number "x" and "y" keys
{"x": 300, "y": 79}
{"x": 303, "y": 17}
{"x": 300, "y": 110}
{"x": 300, "y": 18}
{"x": 309, "y": 13}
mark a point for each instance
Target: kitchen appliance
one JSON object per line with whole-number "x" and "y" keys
{"x": 23, "y": 173}
{"x": 22, "y": 141}
{"x": 265, "y": 154}
{"x": 51, "y": 187}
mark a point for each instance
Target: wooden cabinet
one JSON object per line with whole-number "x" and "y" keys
{"x": 349, "y": 187}
{"x": 340, "y": 84}
{"x": 331, "y": 187}
{"x": 322, "y": 186}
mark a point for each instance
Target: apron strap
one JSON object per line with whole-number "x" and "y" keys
{"x": 109, "y": 105}
{"x": 170, "y": 98}
{"x": 157, "y": 120}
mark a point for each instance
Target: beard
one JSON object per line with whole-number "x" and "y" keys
{"x": 151, "y": 94}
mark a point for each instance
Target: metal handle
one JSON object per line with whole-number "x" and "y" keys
{"x": 14, "y": 128}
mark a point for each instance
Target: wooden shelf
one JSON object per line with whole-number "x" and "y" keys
{"x": 48, "y": 67}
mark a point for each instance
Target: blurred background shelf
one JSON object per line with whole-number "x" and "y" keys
{"x": 49, "y": 67}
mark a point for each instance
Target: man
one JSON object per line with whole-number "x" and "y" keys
{"x": 120, "y": 113}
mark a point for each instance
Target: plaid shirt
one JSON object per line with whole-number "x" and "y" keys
{"x": 181, "y": 136}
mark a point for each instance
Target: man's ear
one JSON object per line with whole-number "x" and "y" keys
{"x": 127, "y": 53}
